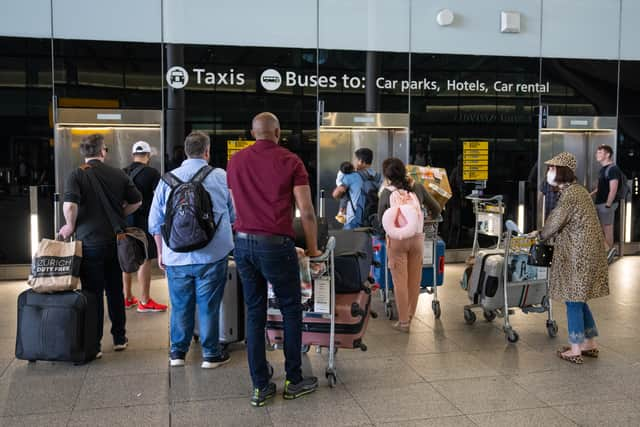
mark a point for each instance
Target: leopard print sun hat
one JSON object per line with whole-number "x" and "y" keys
{"x": 563, "y": 159}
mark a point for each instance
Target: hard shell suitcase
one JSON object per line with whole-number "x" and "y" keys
{"x": 380, "y": 255}
{"x": 352, "y": 317}
{"x": 353, "y": 260}
{"x": 487, "y": 284}
{"x": 61, "y": 326}
{"x": 231, "y": 326}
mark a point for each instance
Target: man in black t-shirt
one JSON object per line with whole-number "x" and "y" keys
{"x": 145, "y": 178}
{"x": 609, "y": 178}
{"x": 85, "y": 215}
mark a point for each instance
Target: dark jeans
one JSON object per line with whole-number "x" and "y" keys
{"x": 257, "y": 263}
{"x": 100, "y": 273}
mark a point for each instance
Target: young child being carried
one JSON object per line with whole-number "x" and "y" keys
{"x": 345, "y": 169}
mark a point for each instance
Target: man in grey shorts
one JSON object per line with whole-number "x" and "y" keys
{"x": 609, "y": 178}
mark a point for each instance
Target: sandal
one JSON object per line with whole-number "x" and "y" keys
{"x": 594, "y": 352}
{"x": 578, "y": 360}
{"x": 401, "y": 327}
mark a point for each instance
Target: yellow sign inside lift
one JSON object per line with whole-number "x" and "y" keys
{"x": 233, "y": 146}
{"x": 475, "y": 160}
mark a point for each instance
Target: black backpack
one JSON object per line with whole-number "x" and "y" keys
{"x": 623, "y": 184}
{"x": 368, "y": 199}
{"x": 189, "y": 222}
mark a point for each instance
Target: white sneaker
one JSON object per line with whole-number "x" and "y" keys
{"x": 176, "y": 362}
{"x": 99, "y": 355}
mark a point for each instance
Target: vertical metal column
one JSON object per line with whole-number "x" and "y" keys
{"x": 175, "y": 117}
{"x": 34, "y": 232}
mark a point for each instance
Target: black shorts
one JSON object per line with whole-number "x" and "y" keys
{"x": 152, "y": 250}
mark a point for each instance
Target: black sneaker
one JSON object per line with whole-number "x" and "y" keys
{"x": 260, "y": 396}
{"x": 214, "y": 362}
{"x": 119, "y": 346}
{"x": 305, "y": 386}
{"x": 176, "y": 358}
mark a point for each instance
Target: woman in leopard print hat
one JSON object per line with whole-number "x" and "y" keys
{"x": 579, "y": 270}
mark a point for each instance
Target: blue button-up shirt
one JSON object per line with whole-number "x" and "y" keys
{"x": 216, "y": 184}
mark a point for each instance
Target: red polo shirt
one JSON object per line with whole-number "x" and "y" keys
{"x": 262, "y": 178}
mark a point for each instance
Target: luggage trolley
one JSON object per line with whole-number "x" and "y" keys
{"x": 489, "y": 212}
{"x": 515, "y": 248}
{"x": 433, "y": 260}
{"x": 323, "y": 303}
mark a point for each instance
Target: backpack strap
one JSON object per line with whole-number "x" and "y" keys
{"x": 133, "y": 173}
{"x": 99, "y": 190}
{"x": 171, "y": 180}
{"x": 202, "y": 174}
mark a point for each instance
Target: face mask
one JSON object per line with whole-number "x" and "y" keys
{"x": 551, "y": 177}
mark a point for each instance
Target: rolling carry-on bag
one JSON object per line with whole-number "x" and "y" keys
{"x": 231, "y": 326}
{"x": 352, "y": 317}
{"x": 353, "y": 260}
{"x": 61, "y": 326}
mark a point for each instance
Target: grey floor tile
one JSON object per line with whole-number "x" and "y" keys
{"x": 48, "y": 420}
{"x": 129, "y": 362}
{"x": 518, "y": 360}
{"x": 383, "y": 326}
{"x": 227, "y": 412}
{"x": 29, "y": 396}
{"x": 191, "y": 383}
{"x": 456, "y": 365}
{"x": 125, "y": 416}
{"x": 325, "y": 407}
{"x": 7, "y": 347}
{"x": 620, "y": 413}
{"x": 371, "y": 373}
{"x": 546, "y": 417}
{"x": 111, "y": 392}
{"x": 489, "y": 395}
{"x": 45, "y": 371}
{"x": 8, "y": 329}
{"x": 416, "y": 343}
{"x": 572, "y": 384}
{"x": 413, "y": 401}
{"x": 4, "y": 365}
{"x": 478, "y": 337}
{"x": 456, "y": 421}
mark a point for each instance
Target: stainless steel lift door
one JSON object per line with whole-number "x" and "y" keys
{"x": 121, "y": 129}
{"x": 387, "y": 135}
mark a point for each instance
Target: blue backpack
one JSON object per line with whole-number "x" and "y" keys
{"x": 367, "y": 206}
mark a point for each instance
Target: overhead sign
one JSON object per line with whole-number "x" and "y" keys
{"x": 271, "y": 79}
{"x": 234, "y": 146}
{"x": 475, "y": 160}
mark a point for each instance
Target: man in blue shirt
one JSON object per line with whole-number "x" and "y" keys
{"x": 199, "y": 276}
{"x": 353, "y": 183}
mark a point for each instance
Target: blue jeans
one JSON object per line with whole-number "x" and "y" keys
{"x": 580, "y": 322}
{"x": 100, "y": 274}
{"x": 257, "y": 263}
{"x": 201, "y": 284}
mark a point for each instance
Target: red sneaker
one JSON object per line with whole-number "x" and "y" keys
{"x": 130, "y": 302}
{"x": 151, "y": 306}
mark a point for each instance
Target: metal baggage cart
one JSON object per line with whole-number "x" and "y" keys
{"x": 489, "y": 212}
{"x": 516, "y": 243}
{"x": 322, "y": 308}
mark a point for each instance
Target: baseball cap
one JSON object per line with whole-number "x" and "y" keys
{"x": 141, "y": 147}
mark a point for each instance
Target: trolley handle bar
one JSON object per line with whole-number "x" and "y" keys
{"x": 331, "y": 245}
{"x": 497, "y": 198}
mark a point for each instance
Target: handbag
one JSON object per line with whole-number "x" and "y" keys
{"x": 540, "y": 255}
{"x": 131, "y": 242}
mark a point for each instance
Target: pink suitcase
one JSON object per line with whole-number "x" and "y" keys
{"x": 352, "y": 317}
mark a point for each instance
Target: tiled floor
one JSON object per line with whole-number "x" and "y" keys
{"x": 444, "y": 373}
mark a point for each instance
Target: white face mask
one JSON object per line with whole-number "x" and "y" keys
{"x": 551, "y": 177}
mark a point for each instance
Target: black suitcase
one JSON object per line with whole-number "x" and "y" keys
{"x": 353, "y": 260}
{"x": 61, "y": 326}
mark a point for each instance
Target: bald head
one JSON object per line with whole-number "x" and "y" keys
{"x": 266, "y": 126}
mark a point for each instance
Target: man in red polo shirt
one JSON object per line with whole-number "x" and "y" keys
{"x": 265, "y": 181}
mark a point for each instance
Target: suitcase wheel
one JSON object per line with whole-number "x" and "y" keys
{"x": 489, "y": 316}
{"x": 469, "y": 316}
{"x": 305, "y": 348}
{"x": 435, "y": 306}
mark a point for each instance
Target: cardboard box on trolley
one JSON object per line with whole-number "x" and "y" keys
{"x": 434, "y": 180}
